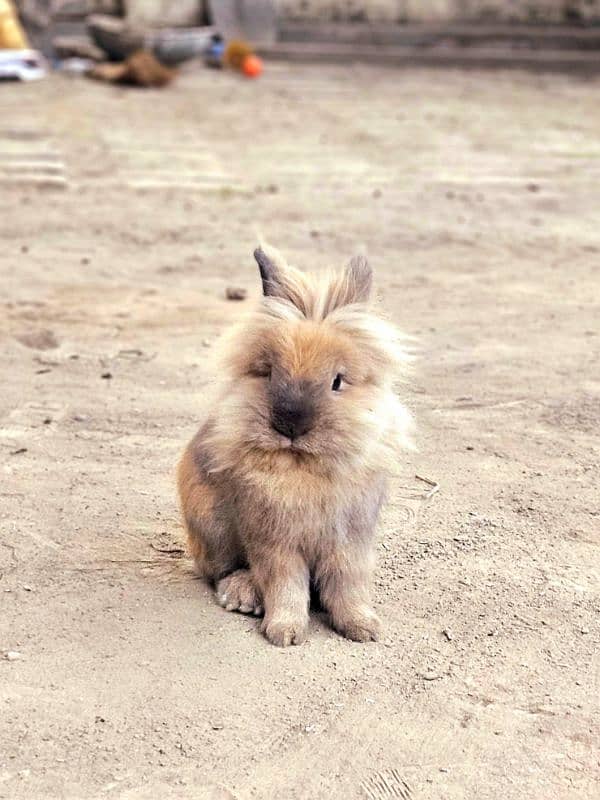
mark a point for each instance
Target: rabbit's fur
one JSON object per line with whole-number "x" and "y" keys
{"x": 282, "y": 485}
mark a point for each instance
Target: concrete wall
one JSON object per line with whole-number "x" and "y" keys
{"x": 437, "y": 10}
{"x": 186, "y": 11}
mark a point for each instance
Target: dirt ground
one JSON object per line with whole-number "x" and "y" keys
{"x": 124, "y": 215}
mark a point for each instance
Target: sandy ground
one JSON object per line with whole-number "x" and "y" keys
{"x": 476, "y": 197}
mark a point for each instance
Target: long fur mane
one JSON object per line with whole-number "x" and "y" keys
{"x": 330, "y": 301}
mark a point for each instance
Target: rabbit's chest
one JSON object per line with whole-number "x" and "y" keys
{"x": 306, "y": 513}
{"x": 291, "y": 505}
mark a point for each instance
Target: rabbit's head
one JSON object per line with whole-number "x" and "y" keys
{"x": 309, "y": 376}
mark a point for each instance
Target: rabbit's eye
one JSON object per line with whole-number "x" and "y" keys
{"x": 261, "y": 371}
{"x": 337, "y": 383}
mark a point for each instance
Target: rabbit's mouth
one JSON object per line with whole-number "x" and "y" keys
{"x": 298, "y": 444}
{"x": 285, "y": 443}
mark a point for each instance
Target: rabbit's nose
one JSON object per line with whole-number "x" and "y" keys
{"x": 291, "y": 425}
{"x": 292, "y": 414}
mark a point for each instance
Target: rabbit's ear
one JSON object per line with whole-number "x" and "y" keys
{"x": 282, "y": 281}
{"x": 359, "y": 280}
{"x": 271, "y": 273}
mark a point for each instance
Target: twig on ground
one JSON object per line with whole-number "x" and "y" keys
{"x": 176, "y": 552}
{"x": 435, "y": 487}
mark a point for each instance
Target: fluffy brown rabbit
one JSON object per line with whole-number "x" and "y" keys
{"x": 282, "y": 485}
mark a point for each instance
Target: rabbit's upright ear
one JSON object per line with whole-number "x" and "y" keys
{"x": 272, "y": 270}
{"x": 359, "y": 280}
{"x": 281, "y": 281}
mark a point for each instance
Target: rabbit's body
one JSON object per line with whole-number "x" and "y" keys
{"x": 282, "y": 485}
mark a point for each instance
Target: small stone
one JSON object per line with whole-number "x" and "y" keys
{"x": 27, "y": 588}
{"x": 13, "y": 655}
{"x": 217, "y": 726}
{"x": 38, "y": 340}
{"x": 106, "y": 376}
{"x": 431, "y": 676}
{"x": 447, "y": 634}
{"x": 236, "y": 293}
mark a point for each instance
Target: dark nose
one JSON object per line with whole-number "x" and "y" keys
{"x": 292, "y": 411}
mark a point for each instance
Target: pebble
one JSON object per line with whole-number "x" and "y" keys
{"x": 236, "y": 293}
{"x": 431, "y": 676}
{"x": 42, "y": 339}
{"x": 13, "y": 655}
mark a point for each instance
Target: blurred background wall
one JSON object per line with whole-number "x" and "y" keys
{"x": 180, "y": 11}
{"x": 442, "y": 10}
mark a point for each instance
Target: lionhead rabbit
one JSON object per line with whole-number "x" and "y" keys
{"x": 282, "y": 485}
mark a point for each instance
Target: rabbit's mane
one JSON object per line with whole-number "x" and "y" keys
{"x": 313, "y": 312}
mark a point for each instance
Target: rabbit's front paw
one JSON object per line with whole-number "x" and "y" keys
{"x": 237, "y": 592}
{"x": 363, "y": 626}
{"x": 284, "y": 631}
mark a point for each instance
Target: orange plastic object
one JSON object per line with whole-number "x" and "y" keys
{"x": 252, "y": 66}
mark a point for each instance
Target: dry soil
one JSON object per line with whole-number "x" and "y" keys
{"x": 124, "y": 216}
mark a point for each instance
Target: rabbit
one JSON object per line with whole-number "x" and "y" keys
{"x": 282, "y": 485}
